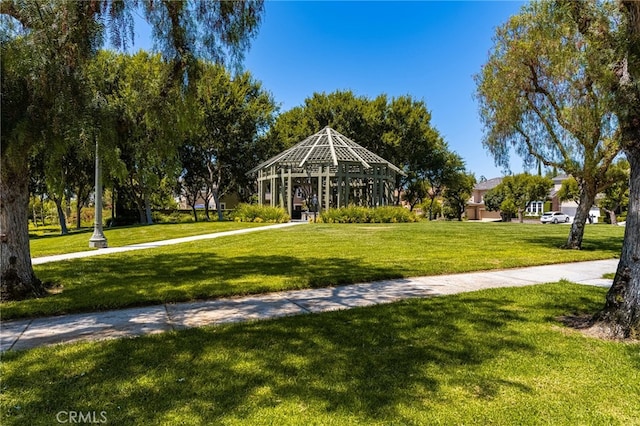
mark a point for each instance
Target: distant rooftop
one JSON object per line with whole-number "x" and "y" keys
{"x": 488, "y": 184}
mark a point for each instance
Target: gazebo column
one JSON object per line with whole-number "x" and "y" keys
{"x": 339, "y": 189}
{"x": 345, "y": 187}
{"x": 339, "y": 186}
{"x": 381, "y": 180}
{"x": 273, "y": 186}
{"x": 281, "y": 192}
{"x": 260, "y": 189}
{"x": 327, "y": 188}
{"x": 289, "y": 194}
{"x": 319, "y": 189}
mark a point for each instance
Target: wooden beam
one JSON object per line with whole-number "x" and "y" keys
{"x": 327, "y": 189}
{"x": 332, "y": 148}
{"x": 289, "y": 193}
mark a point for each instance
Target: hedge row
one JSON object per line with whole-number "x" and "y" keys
{"x": 258, "y": 213}
{"x": 354, "y": 214}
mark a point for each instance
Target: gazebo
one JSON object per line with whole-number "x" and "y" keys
{"x": 323, "y": 171}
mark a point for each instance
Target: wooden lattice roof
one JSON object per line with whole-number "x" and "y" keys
{"x": 327, "y": 147}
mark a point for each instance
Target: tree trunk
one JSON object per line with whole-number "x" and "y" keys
{"x": 17, "y": 280}
{"x": 80, "y": 202}
{"x": 206, "y": 206}
{"x": 431, "y": 207}
{"x": 35, "y": 217}
{"x": 78, "y": 213}
{"x": 621, "y": 313}
{"x": 612, "y": 216}
{"x": 620, "y": 317}
{"x": 587, "y": 198}
{"x": 195, "y": 212}
{"x": 147, "y": 210}
{"x": 216, "y": 199}
{"x": 61, "y": 216}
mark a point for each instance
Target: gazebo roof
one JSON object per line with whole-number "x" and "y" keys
{"x": 327, "y": 147}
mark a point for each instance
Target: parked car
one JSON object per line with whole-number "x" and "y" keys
{"x": 554, "y": 217}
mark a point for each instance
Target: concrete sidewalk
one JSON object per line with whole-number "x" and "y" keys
{"x": 154, "y": 244}
{"x": 25, "y": 334}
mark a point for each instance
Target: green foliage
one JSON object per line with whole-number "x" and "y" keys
{"x": 616, "y": 196}
{"x": 229, "y": 115}
{"x": 397, "y": 129}
{"x": 457, "y": 194}
{"x": 514, "y": 193}
{"x": 569, "y": 190}
{"x": 174, "y": 217}
{"x": 431, "y": 209}
{"x": 357, "y": 214}
{"x": 47, "y": 103}
{"x": 508, "y": 207}
{"x": 142, "y": 129}
{"x": 259, "y": 214}
{"x": 546, "y": 91}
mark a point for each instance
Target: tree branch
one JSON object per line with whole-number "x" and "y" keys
{"x": 537, "y": 88}
{"x": 556, "y": 141}
{"x": 532, "y": 151}
{"x": 9, "y": 8}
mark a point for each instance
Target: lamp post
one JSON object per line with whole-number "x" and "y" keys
{"x": 98, "y": 240}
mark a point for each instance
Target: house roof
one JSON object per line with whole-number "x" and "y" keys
{"x": 560, "y": 178}
{"x": 487, "y": 184}
{"x": 327, "y": 147}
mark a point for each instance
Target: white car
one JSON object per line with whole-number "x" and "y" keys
{"x": 554, "y": 217}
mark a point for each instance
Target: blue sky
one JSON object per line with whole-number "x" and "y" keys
{"x": 427, "y": 49}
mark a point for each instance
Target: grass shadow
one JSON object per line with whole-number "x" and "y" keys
{"x": 364, "y": 364}
{"x": 111, "y": 282}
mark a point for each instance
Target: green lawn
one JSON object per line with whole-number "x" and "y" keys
{"x": 78, "y": 240}
{"x": 489, "y": 357}
{"x": 314, "y": 255}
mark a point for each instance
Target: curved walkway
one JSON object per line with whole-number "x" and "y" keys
{"x": 26, "y": 334}
{"x": 154, "y": 244}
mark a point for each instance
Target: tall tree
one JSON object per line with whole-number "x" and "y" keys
{"x": 45, "y": 46}
{"x": 457, "y": 194}
{"x": 417, "y": 147}
{"x": 443, "y": 169}
{"x": 147, "y": 125}
{"x": 234, "y": 113}
{"x": 398, "y": 129}
{"x": 542, "y": 92}
{"x": 569, "y": 190}
{"x": 518, "y": 191}
{"x": 616, "y": 196}
{"x": 496, "y": 200}
{"x": 621, "y": 312}
{"x": 620, "y": 316}
{"x": 42, "y": 93}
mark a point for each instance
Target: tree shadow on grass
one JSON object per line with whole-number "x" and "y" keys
{"x": 360, "y": 364}
{"x": 589, "y": 243}
{"x": 110, "y": 282}
{"x": 56, "y": 234}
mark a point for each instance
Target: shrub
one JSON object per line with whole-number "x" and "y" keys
{"x": 355, "y": 214}
{"x": 173, "y": 217}
{"x": 436, "y": 209}
{"x": 258, "y": 213}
